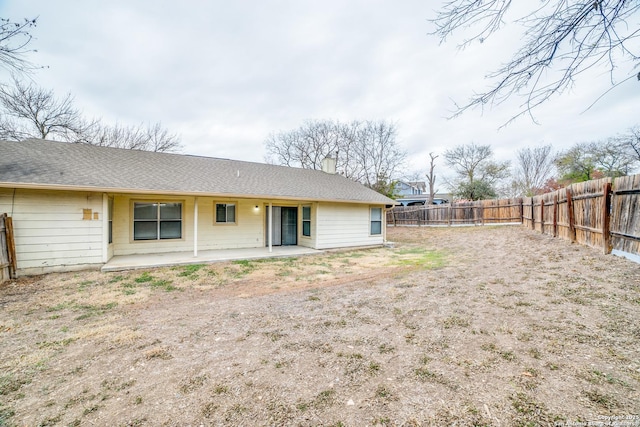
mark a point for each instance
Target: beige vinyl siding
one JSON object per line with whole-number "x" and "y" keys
{"x": 345, "y": 225}
{"x": 308, "y": 241}
{"x": 246, "y": 232}
{"x": 50, "y": 232}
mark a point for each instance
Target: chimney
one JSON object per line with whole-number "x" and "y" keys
{"x": 329, "y": 165}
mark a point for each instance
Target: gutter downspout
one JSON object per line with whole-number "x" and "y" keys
{"x": 384, "y": 224}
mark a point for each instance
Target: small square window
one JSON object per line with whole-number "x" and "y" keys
{"x": 225, "y": 213}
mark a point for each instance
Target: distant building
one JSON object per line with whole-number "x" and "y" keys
{"x": 420, "y": 185}
{"x": 407, "y": 189}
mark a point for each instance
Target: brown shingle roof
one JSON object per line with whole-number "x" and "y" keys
{"x": 52, "y": 164}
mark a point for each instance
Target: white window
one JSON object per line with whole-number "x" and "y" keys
{"x": 376, "y": 221}
{"x": 157, "y": 220}
{"x": 306, "y": 220}
{"x": 225, "y": 213}
{"x": 110, "y": 219}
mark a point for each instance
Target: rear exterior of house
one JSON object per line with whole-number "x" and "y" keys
{"x": 77, "y": 206}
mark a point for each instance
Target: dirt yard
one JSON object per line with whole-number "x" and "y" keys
{"x": 484, "y": 326}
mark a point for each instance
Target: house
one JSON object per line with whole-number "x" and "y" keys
{"x": 421, "y": 186}
{"x": 75, "y": 206}
{"x": 408, "y": 189}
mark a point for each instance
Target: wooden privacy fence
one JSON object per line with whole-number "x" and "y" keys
{"x": 468, "y": 213}
{"x": 7, "y": 249}
{"x": 579, "y": 213}
{"x": 601, "y": 213}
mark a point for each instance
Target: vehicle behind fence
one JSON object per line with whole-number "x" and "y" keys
{"x": 601, "y": 213}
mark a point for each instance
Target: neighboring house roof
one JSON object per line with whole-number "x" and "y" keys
{"x": 61, "y": 165}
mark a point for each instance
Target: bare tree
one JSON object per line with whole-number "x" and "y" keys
{"x": 534, "y": 167}
{"x": 306, "y": 146}
{"x": 476, "y": 173}
{"x": 117, "y": 136}
{"x": 161, "y": 140}
{"x": 27, "y": 111}
{"x": 14, "y": 38}
{"x": 377, "y": 153}
{"x": 613, "y": 157}
{"x": 31, "y": 112}
{"x": 467, "y": 159}
{"x": 365, "y": 151}
{"x": 632, "y": 139}
{"x": 431, "y": 177}
{"x": 562, "y": 39}
{"x": 141, "y": 137}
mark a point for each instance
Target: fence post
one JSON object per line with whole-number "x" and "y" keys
{"x": 8, "y": 262}
{"x": 542, "y": 215}
{"x": 5, "y": 272}
{"x": 449, "y": 215}
{"x": 11, "y": 245}
{"x": 522, "y": 210}
{"x": 555, "y": 215}
{"x": 606, "y": 218}
{"x": 572, "y": 220}
{"x": 533, "y": 217}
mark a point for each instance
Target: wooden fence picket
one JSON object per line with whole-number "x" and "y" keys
{"x": 8, "y": 262}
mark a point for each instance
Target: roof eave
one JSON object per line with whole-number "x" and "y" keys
{"x": 56, "y": 187}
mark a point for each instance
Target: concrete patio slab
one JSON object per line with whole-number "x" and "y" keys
{"x": 132, "y": 262}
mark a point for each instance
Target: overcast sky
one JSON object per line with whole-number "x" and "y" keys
{"x": 223, "y": 75}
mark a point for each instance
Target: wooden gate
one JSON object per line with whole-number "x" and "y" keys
{"x": 7, "y": 249}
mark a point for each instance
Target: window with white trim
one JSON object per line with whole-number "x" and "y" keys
{"x": 157, "y": 220}
{"x": 306, "y": 221}
{"x": 110, "y": 212}
{"x": 376, "y": 221}
{"x": 225, "y": 213}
